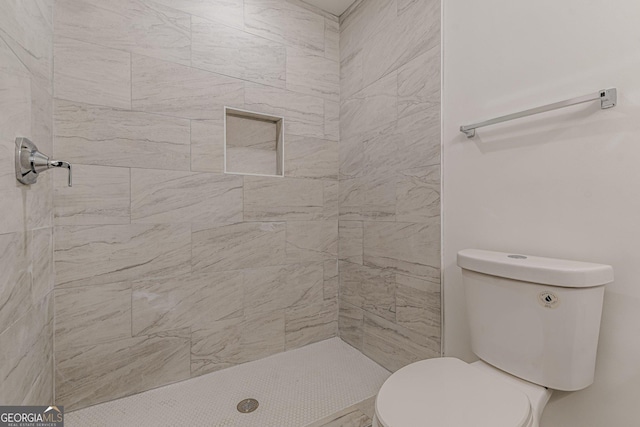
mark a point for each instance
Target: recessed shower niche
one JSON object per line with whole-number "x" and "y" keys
{"x": 254, "y": 143}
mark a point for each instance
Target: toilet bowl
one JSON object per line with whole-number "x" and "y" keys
{"x": 448, "y": 392}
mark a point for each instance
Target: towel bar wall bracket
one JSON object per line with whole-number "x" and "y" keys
{"x": 608, "y": 99}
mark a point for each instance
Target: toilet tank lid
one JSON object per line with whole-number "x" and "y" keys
{"x": 547, "y": 271}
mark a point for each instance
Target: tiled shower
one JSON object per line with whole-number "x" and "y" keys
{"x": 156, "y": 266}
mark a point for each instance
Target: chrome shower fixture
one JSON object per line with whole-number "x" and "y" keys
{"x": 30, "y": 162}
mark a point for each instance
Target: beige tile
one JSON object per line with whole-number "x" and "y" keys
{"x": 207, "y": 145}
{"x": 372, "y": 289}
{"x": 330, "y": 195}
{"x": 309, "y": 323}
{"x": 191, "y": 300}
{"x": 26, "y": 356}
{"x": 311, "y": 158}
{"x": 236, "y": 53}
{"x": 252, "y": 161}
{"x": 15, "y": 281}
{"x": 269, "y": 289}
{"x": 406, "y": 248}
{"x": 351, "y": 157}
{"x": 226, "y": 12}
{"x": 100, "y": 195}
{"x": 331, "y": 280}
{"x": 418, "y": 308}
{"x": 122, "y": 368}
{"x": 218, "y": 347}
{"x": 393, "y": 346}
{"x": 279, "y": 199}
{"x": 313, "y": 74}
{"x": 331, "y": 120}
{"x": 262, "y": 335}
{"x": 138, "y": 26}
{"x": 372, "y": 107}
{"x": 88, "y": 315}
{"x": 419, "y": 83}
{"x": 418, "y": 195}
{"x": 238, "y": 246}
{"x": 42, "y": 274}
{"x": 167, "y": 88}
{"x": 92, "y": 74}
{"x": 41, "y": 118}
{"x": 39, "y": 201}
{"x": 285, "y": 22}
{"x": 93, "y": 255}
{"x": 160, "y": 196}
{"x": 332, "y": 40}
{"x": 350, "y": 243}
{"x": 312, "y": 241}
{"x": 351, "y": 81}
{"x": 88, "y": 134}
{"x": 350, "y": 324}
{"x": 303, "y": 114}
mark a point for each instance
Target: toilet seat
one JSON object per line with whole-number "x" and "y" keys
{"x": 447, "y": 392}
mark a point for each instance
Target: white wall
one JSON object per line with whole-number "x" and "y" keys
{"x": 565, "y": 184}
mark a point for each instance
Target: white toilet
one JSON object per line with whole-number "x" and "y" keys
{"x": 534, "y": 322}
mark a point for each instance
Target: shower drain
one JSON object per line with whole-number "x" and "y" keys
{"x": 247, "y": 405}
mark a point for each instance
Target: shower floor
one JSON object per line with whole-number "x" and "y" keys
{"x": 327, "y": 383}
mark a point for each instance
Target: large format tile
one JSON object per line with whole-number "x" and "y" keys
{"x": 311, "y": 158}
{"x": 121, "y": 368}
{"x": 238, "y": 246}
{"x": 138, "y": 26}
{"x": 26, "y": 357}
{"x": 93, "y": 135}
{"x": 286, "y": 22}
{"x": 406, "y": 248}
{"x": 418, "y": 307}
{"x": 350, "y": 242}
{"x": 42, "y": 274}
{"x": 309, "y": 323}
{"x": 303, "y": 114}
{"x": 350, "y": 324}
{"x": 160, "y": 196}
{"x": 226, "y": 12}
{"x": 93, "y": 74}
{"x": 207, "y": 145}
{"x": 312, "y": 241}
{"x": 313, "y": 74}
{"x": 88, "y": 315}
{"x": 331, "y": 120}
{"x": 269, "y": 289}
{"x": 100, "y": 195}
{"x": 236, "y": 53}
{"x": 15, "y": 281}
{"x": 418, "y": 195}
{"x": 371, "y": 289}
{"x": 176, "y": 90}
{"x": 191, "y": 300}
{"x": 419, "y": 83}
{"x": 279, "y": 199}
{"x": 332, "y": 40}
{"x": 93, "y": 255}
{"x": 331, "y": 280}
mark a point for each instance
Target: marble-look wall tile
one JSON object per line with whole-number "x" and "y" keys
{"x": 312, "y": 241}
{"x": 362, "y": 23}
{"x": 207, "y": 145}
{"x": 350, "y": 245}
{"x": 161, "y": 196}
{"x": 269, "y": 289}
{"x": 285, "y": 22}
{"x": 313, "y": 74}
{"x": 371, "y": 289}
{"x": 351, "y": 81}
{"x": 236, "y": 53}
{"x": 93, "y": 255}
{"x": 122, "y": 368}
{"x": 15, "y": 281}
{"x": 330, "y": 195}
{"x": 372, "y": 107}
{"x": 332, "y": 40}
{"x": 419, "y": 83}
{"x": 88, "y": 134}
{"x": 279, "y": 199}
{"x": 42, "y": 274}
{"x": 191, "y": 300}
{"x": 311, "y": 158}
{"x": 88, "y": 315}
{"x": 350, "y": 324}
{"x": 418, "y": 308}
{"x": 418, "y": 27}
{"x": 238, "y": 246}
{"x": 331, "y": 120}
{"x": 418, "y": 139}
{"x": 26, "y": 356}
{"x": 418, "y": 195}
{"x": 391, "y": 345}
{"x": 42, "y": 117}
{"x": 331, "y": 280}
{"x": 303, "y": 114}
{"x": 406, "y": 248}
{"x": 167, "y": 88}
{"x": 262, "y": 335}
{"x": 100, "y": 195}
{"x": 309, "y": 323}
{"x": 92, "y": 74}
{"x": 139, "y": 26}
{"x": 226, "y": 12}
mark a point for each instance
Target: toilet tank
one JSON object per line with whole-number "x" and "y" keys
{"x": 535, "y": 318}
